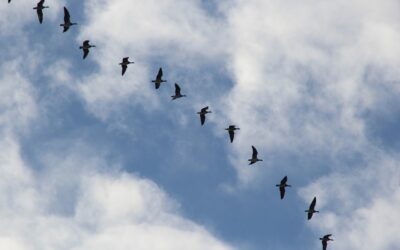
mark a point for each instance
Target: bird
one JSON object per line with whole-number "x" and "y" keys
{"x": 177, "y": 92}
{"x": 254, "y": 158}
{"x": 325, "y": 240}
{"x": 124, "y": 64}
{"x": 311, "y": 210}
{"x": 9, "y": 1}
{"x": 282, "y": 186}
{"x": 231, "y": 130}
{"x": 159, "y": 79}
{"x": 39, "y": 10}
{"x": 67, "y": 20}
{"x": 202, "y": 114}
{"x": 85, "y": 47}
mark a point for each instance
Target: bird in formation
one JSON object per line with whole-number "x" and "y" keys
{"x": 124, "y": 64}
{"x": 85, "y": 47}
{"x": 254, "y": 158}
{"x": 39, "y": 10}
{"x": 202, "y": 114}
{"x": 177, "y": 92}
{"x": 311, "y": 210}
{"x": 231, "y": 130}
{"x": 282, "y": 186}
{"x": 159, "y": 79}
{"x": 325, "y": 240}
{"x": 67, "y": 20}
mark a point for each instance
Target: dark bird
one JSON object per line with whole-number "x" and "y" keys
{"x": 85, "y": 47}
{"x": 311, "y": 210}
{"x": 325, "y": 240}
{"x": 231, "y": 130}
{"x": 254, "y": 158}
{"x": 124, "y": 64}
{"x": 177, "y": 92}
{"x": 39, "y": 10}
{"x": 282, "y": 186}
{"x": 159, "y": 79}
{"x": 202, "y": 114}
{"x": 67, "y": 20}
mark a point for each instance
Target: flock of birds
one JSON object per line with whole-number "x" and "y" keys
{"x": 203, "y": 112}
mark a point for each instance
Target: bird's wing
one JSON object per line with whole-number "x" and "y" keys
{"x": 85, "y": 53}
{"x": 177, "y": 89}
{"x": 123, "y": 69}
{"x": 125, "y": 60}
{"x": 40, "y": 15}
{"x": 327, "y": 236}
{"x": 204, "y": 109}
{"x": 157, "y": 84}
{"x": 41, "y": 2}
{"x": 66, "y": 16}
{"x": 202, "y": 118}
{"x": 86, "y": 43}
{"x": 65, "y": 28}
{"x": 159, "y": 74}
{"x": 254, "y": 152}
{"x": 284, "y": 180}
{"x": 9, "y": 1}
{"x": 282, "y": 191}
{"x": 312, "y": 205}
{"x": 309, "y": 215}
{"x": 324, "y": 245}
{"x": 231, "y": 134}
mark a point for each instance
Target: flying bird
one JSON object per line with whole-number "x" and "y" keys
{"x": 254, "y": 158}
{"x": 325, "y": 240}
{"x": 202, "y": 114}
{"x": 159, "y": 79}
{"x": 231, "y": 130}
{"x": 177, "y": 92}
{"x": 124, "y": 64}
{"x": 311, "y": 210}
{"x": 67, "y": 20}
{"x": 85, "y": 47}
{"x": 282, "y": 186}
{"x": 39, "y": 10}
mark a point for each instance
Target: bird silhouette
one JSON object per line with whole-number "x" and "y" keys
{"x": 85, "y": 47}
{"x": 202, "y": 114}
{"x": 39, "y": 10}
{"x": 325, "y": 240}
{"x": 231, "y": 130}
{"x": 254, "y": 158}
{"x": 159, "y": 79}
{"x": 67, "y": 20}
{"x": 124, "y": 64}
{"x": 282, "y": 186}
{"x": 311, "y": 210}
{"x": 177, "y": 92}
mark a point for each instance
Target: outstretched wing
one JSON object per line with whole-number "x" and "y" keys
{"x": 313, "y": 203}
{"x": 202, "y": 118}
{"x": 66, "y": 16}
{"x": 284, "y": 180}
{"x": 85, "y": 53}
{"x": 309, "y": 215}
{"x": 86, "y": 43}
{"x": 204, "y": 109}
{"x": 124, "y": 69}
{"x": 231, "y": 135}
{"x": 65, "y": 28}
{"x": 282, "y": 191}
{"x": 157, "y": 84}
{"x": 41, "y": 2}
{"x": 39, "y": 14}
{"x": 159, "y": 75}
{"x": 324, "y": 244}
{"x": 177, "y": 90}
{"x": 254, "y": 156}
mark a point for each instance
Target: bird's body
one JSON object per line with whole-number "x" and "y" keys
{"x": 231, "y": 130}
{"x": 282, "y": 186}
{"x": 311, "y": 210}
{"x": 325, "y": 240}
{"x": 254, "y": 158}
{"x": 85, "y": 47}
{"x": 124, "y": 64}
{"x": 202, "y": 114}
{"x": 39, "y": 10}
{"x": 67, "y": 20}
{"x": 159, "y": 79}
{"x": 177, "y": 92}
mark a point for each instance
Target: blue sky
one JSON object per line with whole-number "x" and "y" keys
{"x": 94, "y": 160}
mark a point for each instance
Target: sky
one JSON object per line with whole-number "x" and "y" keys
{"x": 90, "y": 159}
